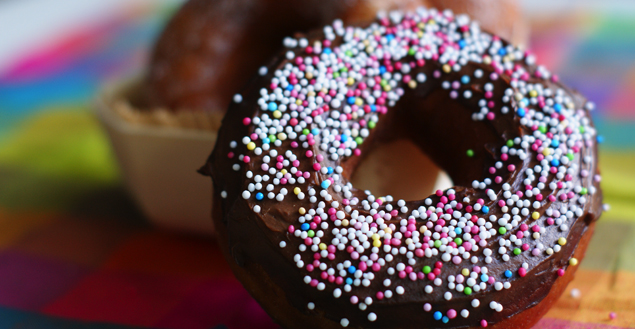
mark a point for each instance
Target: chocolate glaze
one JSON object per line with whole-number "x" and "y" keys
{"x": 442, "y": 127}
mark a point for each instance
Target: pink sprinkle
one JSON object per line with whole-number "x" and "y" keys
{"x": 511, "y": 167}
{"x": 316, "y": 166}
{"x": 612, "y": 315}
{"x": 456, "y": 260}
{"x": 550, "y": 221}
{"x": 314, "y": 283}
{"x": 535, "y": 252}
{"x": 504, "y": 156}
{"x": 354, "y": 300}
{"x": 561, "y": 272}
{"x": 483, "y": 323}
{"x": 427, "y": 307}
{"x": 379, "y": 295}
{"x": 246, "y": 121}
{"x": 451, "y": 314}
{"x": 522, "y": 271}
{"x": 376, "y": 267}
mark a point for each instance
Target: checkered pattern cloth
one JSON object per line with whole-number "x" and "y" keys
{"x": 76, "y": 253}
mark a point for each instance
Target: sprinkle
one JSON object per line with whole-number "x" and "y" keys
{"x": 573, "y": 261}
{"x": 470, "y": 153}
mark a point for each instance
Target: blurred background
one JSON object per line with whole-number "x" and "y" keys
{"x": 76, "y": 252}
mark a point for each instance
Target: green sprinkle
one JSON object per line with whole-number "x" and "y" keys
{"x": 510, "y": 143}
{"x": 517, "y": 251}
{"x": 411, "y": 51}
{"x": 437, "y": 243}
{"x": 467, "y": 290}
{"x": 383, "y": 82}
{"x": 371, "y": 124}
{"x": 349, "y": 53}
{"x": 502, "y": 230}
{"x": 543, "y": 129}
{"x": 458, "y": 241}
{"x": 310, "y": 233}
{"x": 470, "y": 153}
{"x": 359, "y": 140}
{"x": 336, "y": 74}
{"x": 582, "y": 130}
{"x": 570, "y": 156}
{"x": 427, "y": 269}
{"x": 584, "y": 191}
{"x": 305, "y": 131}
{"x": 272, "y": 138}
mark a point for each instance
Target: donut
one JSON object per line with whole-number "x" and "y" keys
{"x": 496, "y": 249}
{"x": 210, "y": 49}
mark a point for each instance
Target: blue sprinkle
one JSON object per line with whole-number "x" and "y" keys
{"x": 485, "y": 209}
{"x": 351, "y": 100}
{"x": 266, "y": 140}
{"x": 462, "y": 43}
{"x": 349, "y": 281}
{"x": 600, "y": 139}
{"x": 555, "y": 162}
{"x": 389, "y": 37}
{"x": 458, "y": 230}
{"x": 273, "y": 106}
{"x": 373, "y": 108}
{"x": 326, "y": 183}
{"x": 445, "y": 319}
{"x": 329, "y": 170}
{"x": 289, "y": 87}
{"x": 555, "y": 143}
{"x": 327, "y": 51}
{"x": 382, "y": 69}
{"x": 508, "y": 273}
{"x": 344, "y": 138}
{"x": 521, "y": 112}
{"x": 484, "y": 277}
{"x": 465, "y": 79}
{"x": 558, "y": 107}
{"x": 437, "y": 315}
{"x": 259, "y": 196}
{"x": 351, "y": 269}
{"x": 315, "y": 131}
{"x": 502, "y": 51}
{"x": 305, "y": 227}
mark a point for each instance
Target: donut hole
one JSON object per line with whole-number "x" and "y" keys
{"x": 399, "y": 168}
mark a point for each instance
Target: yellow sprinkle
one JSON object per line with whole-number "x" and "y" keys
{"x": 535, "y": 215}
{"x": 377, "y": 243}
{"x": 431, "y": 22}
{"x": 375, "y": 236}
{"x": 344, "y": 222}
{"x": 350, "y": 81}
{"x": 283, "y": 171}
{"x": 408, "y": 241}
{"x": 277, "y": 114}
{"x": 366, "y": 42}
{"x": 487, "y": 60}
{"x": 447, "y": 68}
{"x": 423, "y": 228}
{"x": 562, "y": 242}
{"x": 309, "y": 75}
{"x": 546, "y": 151}
{"x": 310, "y": 93}
{"x": 302, "y": 211}
{"x": 518, "y": 96}
{"x": 388, "y": 230}
{"x": 322, "y": 246}
{"x": 465, "y": 272}
{"x": 573, "y": 261}
{"x": 387, "y": 87}
{"x": 359, "y": 102}
{"x": 282, "y": 136}
{"x": 420, "y": 34}
{"x": 533, "y": 93}
{"x": 570, "y": 105}
{"x": 412, "y": 84}
{"x": 296, "y": 190}
{"x": 370, "y": 49}
{"x": 507, "y": 59}
{"x": 298, "y": 102}
{"x": 251, "y": 146}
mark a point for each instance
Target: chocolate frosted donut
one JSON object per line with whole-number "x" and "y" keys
{"x": 496, "y": 249}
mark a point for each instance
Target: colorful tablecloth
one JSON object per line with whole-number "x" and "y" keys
{"x": 76, "y": 253}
